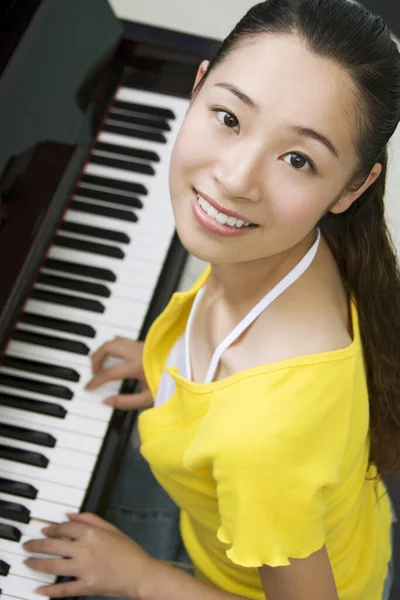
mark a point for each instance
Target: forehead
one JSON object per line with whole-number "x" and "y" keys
{"x": 289, "y": 82}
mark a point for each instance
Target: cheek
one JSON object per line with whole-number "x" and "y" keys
{"x": 295, "y": 203}
{"x": 192, "y": 149}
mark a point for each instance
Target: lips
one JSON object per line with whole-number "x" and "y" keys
{"x": 225, "y": 211}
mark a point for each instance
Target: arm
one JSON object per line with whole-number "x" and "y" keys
{"x": 306, "y": 579}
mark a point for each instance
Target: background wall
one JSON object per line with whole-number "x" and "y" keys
{"x": 215, "y": 18}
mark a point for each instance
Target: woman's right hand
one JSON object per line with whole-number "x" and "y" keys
{"x": 131, "y": 353}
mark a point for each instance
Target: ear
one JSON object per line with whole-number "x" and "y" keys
{"x": 347, "y": 199}
{"x": 200, "y": 72}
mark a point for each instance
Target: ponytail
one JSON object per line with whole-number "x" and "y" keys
{"x": 361, "y": 244}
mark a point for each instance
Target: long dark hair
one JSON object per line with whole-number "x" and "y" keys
{"x": 359, "y": 42}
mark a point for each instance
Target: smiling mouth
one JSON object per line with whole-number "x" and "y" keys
{"x": 225, "y": 218}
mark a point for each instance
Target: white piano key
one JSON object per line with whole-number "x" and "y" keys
{"x": 117, "y": 289}
{"x": 125, "y": 271}
{"x": 53, "y": 492}
{"x": 69, "y": 440}
{"x": 15, "y": 554}
{"x": 155, "y": 245}
{"x": 56, "y": 456}
{"x": 18, "y": 568}
{"x": 30, "y": 530}
{"x": 132, "y": 318}
{"x": 119, "y": 174}
{"x": 135, "y": 251}
{"x": 42, "y": 509}
{"x": 71, "y": 423}
{"x": 116, "y": 139}
{"x": 113, "y": 304}
{"x": 56, "y": 473}
{"x": 20, "y": 587}
{"x": 45, "y": 354}
{"x": 85, "y": 374}
{"x": 105, "y": 334}
{"x": 90, "y": 410}
{"x": 178, "y": 106}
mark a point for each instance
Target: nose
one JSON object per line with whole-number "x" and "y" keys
{"x": 239, "y": 172}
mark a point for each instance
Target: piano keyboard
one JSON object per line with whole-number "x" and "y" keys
{"x": 96, "y": 282}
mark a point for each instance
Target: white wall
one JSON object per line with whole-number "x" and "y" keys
{"x": 215, "y": 18}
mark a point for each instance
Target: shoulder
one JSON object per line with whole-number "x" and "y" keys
{"x": 299, "y": 327}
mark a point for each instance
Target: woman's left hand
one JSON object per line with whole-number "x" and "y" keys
{"x": 102, "y": 559}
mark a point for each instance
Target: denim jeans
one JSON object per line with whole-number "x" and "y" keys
{"x": 143, "y": 510}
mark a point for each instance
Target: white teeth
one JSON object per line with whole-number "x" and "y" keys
{"x": 204, "y": 204}
{"x": 212, "y": 212}
{"x": 219, "y": 216}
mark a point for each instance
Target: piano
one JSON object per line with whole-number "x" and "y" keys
{"x": 89, "y": 110}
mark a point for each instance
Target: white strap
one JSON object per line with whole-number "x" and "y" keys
{"x": 197, "y": 299}
{"x": 255, "y": 312}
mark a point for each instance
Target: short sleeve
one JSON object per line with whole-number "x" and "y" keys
{"x": 277, "y": 456}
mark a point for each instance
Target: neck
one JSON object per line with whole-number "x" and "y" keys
{"x": 241, "y": 285}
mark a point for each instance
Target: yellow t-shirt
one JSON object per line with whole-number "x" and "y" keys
{"x": 269, "y": 464}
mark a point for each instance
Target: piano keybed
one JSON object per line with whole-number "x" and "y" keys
{"x": 96, "y": 282}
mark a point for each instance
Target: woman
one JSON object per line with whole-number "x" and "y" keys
{"x": 275, "y": 377}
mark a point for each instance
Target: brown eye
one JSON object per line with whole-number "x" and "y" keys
{"x": 297, "y": 161}
{"x": 230, "y": 120}
{"x": 300, "y": 162}
{"x": 226, "y": 118}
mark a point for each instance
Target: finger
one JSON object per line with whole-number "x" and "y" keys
{"x": 116, "y": 372}
{"x": 68, "y": 529}
{"x": 131, "y": 401}
{"x": 52, "y": 566}
{"x": 119, "y": 347}
{"x": 62, "y": 590}
{"x": 56, "y": 547}
{"x": 91, "y": 519}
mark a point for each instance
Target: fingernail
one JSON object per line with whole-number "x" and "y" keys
{"x": 40, "y": 590}
{"x": 109, "y": 401}
{"x": 45, "y": 530}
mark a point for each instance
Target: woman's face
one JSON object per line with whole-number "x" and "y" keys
{"x": 247, "y": 145}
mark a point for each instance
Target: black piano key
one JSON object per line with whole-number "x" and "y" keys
{"x": 33, "y": 366}
{"x": 97, "y": 232}
{"x": 76, "y": 269}
{"x": 91, "y": 247}
{"x": 50, "y": 341}
{"x": 157, "y": 111}
{"x": 109, "y": 197}
{"x": 8, "y": 532}
{"x": 104, "y": 211}
{"x": 59, "y": 325}
{"x": 126, "y": 151}
{"x": 4, "y": 568}
{"x": 119, "y": 163}
{"x": 66, "y": 300}
{"x": 27, "y": 435}
{"x": 18, "y": 488}
{"x": 114, "y": 184}
{"x": 27, "y": 457}
{"x": 39, "y": 387}
{"x": 14, "y": 512}
{"x": 86, "y": 287}
{"x": 131, "y": 119}
{"x": 134, "y": 132}
{"x": 36, "y": 406}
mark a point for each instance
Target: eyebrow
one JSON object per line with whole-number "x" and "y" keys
{"x": 300, "y": 130}
{"x": 239, "y": 94}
